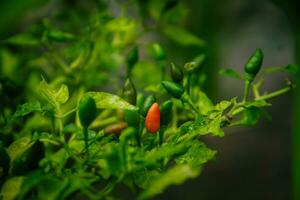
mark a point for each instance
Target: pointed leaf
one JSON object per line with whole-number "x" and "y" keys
{"x": 109, "y": 101}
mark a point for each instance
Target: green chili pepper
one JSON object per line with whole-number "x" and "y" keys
{"x": 174, "y": 89}
{"x": 140, "y": 101}
{"x": 176, "y": 73}
{"x": 254, "y": 63}
{"x": 87, "y": 113}
{"x": 129, "y": 92}
{"x": 132, "y": 58}
{"x": 131, "y": 117}
{"x": 166, "y": 112}
{"x": 148, "y": 103}
{"x": 252, "y": 67}
{"x": 158, "y": 52}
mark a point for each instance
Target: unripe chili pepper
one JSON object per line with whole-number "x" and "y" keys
{"x": 140, "y": 101}
{"x": 87, "y": 111}
{"x": 176, "y": 73}
{"x": 131, "y": 117}
{"x": 252, "y": 67}
{"x": 158, "y": 52}
{"x": 147, "y": 104}
{"x": 129, "y": 92}
{"x": 132, "y": 58}
{"x": 254, "y": 63}
{"x": 166, "y": 112}
{"x": 152, "y": 121}
{"x": 174, "y": 89}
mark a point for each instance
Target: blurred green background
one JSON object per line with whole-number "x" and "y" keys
{"x": 252, "y": 163}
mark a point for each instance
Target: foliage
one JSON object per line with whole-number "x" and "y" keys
{"x": 88, "y": 52}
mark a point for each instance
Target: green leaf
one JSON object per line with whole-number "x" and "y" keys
{"x": 25, "y": 155}
{"x": 223, "y": 105}
{"x": 258, "y": 103}
{"x": 51, "y": 96}
{"x": 26, "y": 40}
{"x": 183, "y": 37}
{"x": 273, "y": 69}
{"x": 11, "y": 188}
{"x": 197, "y": 155}
{"x": 167, "y": 151}
{"x": 58, "y": 36}
{"x": 173, "y": 176}
{"x": 47, "y": 93}
{"x": 204, "y": 103}
{"x": 27, "y": 108}
{"x": 251, "y": 115}
{"x": 214, "y": 126}
{"x": 230, "y": 73}
{"x": 62, "y": 95}
{"x": 292, "y": 69}
{"x": 109, "y": 101}
{"x": 18, "y": 147}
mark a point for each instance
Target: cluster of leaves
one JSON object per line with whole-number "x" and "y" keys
{"x": 43, "y": 152}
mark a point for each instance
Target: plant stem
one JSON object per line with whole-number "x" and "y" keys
{"x": 186, "y": 99}
{"x": 86, "y": 140}
{"x": 246, "y": 90}
{"x": 271, "y": 95}
{"x": 276, "y": 93}
{"x": 67, "y": 113}
{"x": 140, "y": 132}
{"x": 188, "y": 84}
{"x": 161, "y": 135}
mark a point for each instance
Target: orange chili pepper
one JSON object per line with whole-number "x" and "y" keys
{"x": 152, "y": 122}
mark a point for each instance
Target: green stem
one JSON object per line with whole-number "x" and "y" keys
{"x": 188, "y": 84}
{"x": 246, "y": 90}
{"x": 276, "y": 93}
{"x": 238, "y": 108}
{"x": 161, "y": 135}
{"x": 186, "y": 98}
{"x": 140, "y": 132}
{"x": 67, "y": 113}
{"x": 86, "y": 140}
{"x": 163, "y": 69}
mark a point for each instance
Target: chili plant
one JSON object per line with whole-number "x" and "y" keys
{"x": 71, "y": 138}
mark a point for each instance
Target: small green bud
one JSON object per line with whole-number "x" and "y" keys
{"x": 129, "y": 92}
{"x": 176, "y": 73}
{"x": 158, "y": 52}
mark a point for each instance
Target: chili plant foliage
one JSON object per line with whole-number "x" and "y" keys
{"x": 62, "y": 136}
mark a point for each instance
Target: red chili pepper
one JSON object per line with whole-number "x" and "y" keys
{"x": 152, "y": 121}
